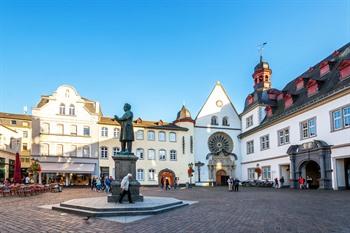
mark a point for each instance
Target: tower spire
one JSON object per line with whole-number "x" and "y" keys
{"x": 261, "y": 50}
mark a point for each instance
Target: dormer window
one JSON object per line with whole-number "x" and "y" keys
{"x": 299, "y": 84}
{"x": 214, "y": 120}
{"x": 288, "y": 101}
{"x": 250, "y": 99}
{"x": 268, "y": 111}
{"x": 312, "y": 87}
{"x": 324, "y": 68}
{"x": 344, "y": 69}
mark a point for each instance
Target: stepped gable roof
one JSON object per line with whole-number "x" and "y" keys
{"x": 328, "y": 84}
{"x": 15, "y": 116}
{"x": 157, "y": 125}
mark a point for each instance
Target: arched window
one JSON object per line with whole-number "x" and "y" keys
{"x": 104, "y": 132}
{"x": 140, "y": 153}
{"x": 86, "y": 151}
{"x": 151, "y": 174}
{"x": 72, "y": 110}
{"x": 139, "y": 134}
{"x": 172, "y": 137}
{"x": 140, "y": 174}
{"x": 151, "y": 136}
{"x": 214, "y": 120}
{"x": 116, "y": 133}
{"x": 173, "y": 155}
{"x": 44, "y": 149}
{"x": 162, "y": 154}
{"x": 45, "y": 128}
{"x": 59, "y": 150}
{"x": 104, "y": 152}
{"x": 60, "y": 129}
{"x": 62, "y": 109}
{"x": 151, "y": 154}
{"x": 161, "y": 136}
{"x": 225, "y": 121}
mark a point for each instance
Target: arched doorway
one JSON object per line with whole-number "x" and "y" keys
{"x": 311, "y": 170}
{"x": 221, "y": 177}
{"x": 166, "y": 174}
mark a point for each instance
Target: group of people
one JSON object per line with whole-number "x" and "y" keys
{"x": 165, "y": 183}
{"x": 233, "y": 184}
{"x": 279, "y": 182}
{"x": 305, "y": 183}
{"x": 101, "y": 184}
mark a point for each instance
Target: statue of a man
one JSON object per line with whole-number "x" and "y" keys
{"x": 127, "y": 130}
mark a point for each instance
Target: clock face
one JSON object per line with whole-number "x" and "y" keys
{"x": 220, "y": 142}
{"x": 219, "y": 103}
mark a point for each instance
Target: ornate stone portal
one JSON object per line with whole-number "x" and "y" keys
{"x": 221, "y": 159}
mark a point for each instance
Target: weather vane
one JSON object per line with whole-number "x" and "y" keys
{"x": 261, "y": 48}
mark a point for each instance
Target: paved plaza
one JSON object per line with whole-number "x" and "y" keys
{"x": 250, "y": 210}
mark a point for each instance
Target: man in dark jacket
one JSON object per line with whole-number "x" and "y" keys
{"x": 236, "y": 184}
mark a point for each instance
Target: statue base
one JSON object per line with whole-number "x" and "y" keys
{"x": 125, "y": 163}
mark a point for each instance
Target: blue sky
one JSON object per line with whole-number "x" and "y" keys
{"x": 158, "y": 55}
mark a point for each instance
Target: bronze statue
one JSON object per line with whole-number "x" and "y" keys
{"x": 127, "y": 130}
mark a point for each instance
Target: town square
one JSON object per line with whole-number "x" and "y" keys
{"x": 174, "y": 116}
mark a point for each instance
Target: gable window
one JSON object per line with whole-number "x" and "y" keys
{"x": 266, "y": 173}
{"x": 251, "y": 173}
{"x": 250, "y": 147}
{"x": 288, "y": 101}
{"x": 116, "y": 133}
{"x": 151, "y": 154}
{"x": 214, "y": 120}
{"x": 162, "y": 155}
{"x": 283, "y": 136}
{"x": 104, "y": 152}
{"x": 341, "y": 118}
{"x": 140, "y": 153}
{"x": 86, "y": 151}
{"x": 86, "y": 131}
{"x": 104, "y": 132}
{"x": 225, "y": 121}
{"x": 264, "y": 142}
{"x": 139, "y": 134}
{"x": 72, "y": 110}
{"x": 151, "y": 136}
{"x": 299, "y": 83}
{"x": 151, "y": 174}
{"x": 161, "y": 136}
{"x": 308, "y": 128}
{"x": 73, "y": 130}
{"x": 140, "y": 174}
{"x": 173, "y": 155}
{"x": 62, "y": 110}
{"x": 172, "y": 137}
{"x": 249, "y": 121}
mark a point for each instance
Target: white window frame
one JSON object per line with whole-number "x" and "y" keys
{"x": 251, "y": 173}
{"x": 140, "y": 134}
{"x": 74, "y": 130}
{"x": 172, "y": 137}
{"x": 151, "y": 174}
{"x": 162, "y": 155}
{"x": 25, "y": 134}
{"x": 115, "y": 150}
{"x": 343, "y": 118}
{"x": 140, "y": 174}
{"x": 305, "y": 128}
{"x": 104, "y": 152}
{"x": 173, "y": 155}
{"x": 265, "y": 142}
{"x": 71, "y": 110}
{"x": 149, "y": 155}
{"x": 86, "y": 151}
{"x": 250, "y": 147}
{"x": 140, "y": 153}
{"x": 163, "y": 137}
{"x": 104, "y": 132}
{"x": 149, "y": 137}
{"x": 116, "y": 133}
{"x": 266, "y": 172}
{"x": 249, "y": 121}
{"x": 86, "y": 131}
{"x": 62, "y": 109}
{"x": 283, "y": 136}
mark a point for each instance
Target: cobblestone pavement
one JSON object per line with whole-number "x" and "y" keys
{"x": 250, "y": 210}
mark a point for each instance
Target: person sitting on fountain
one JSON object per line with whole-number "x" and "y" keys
{"x": 127, "y": 131}
{"x": 125, "y": 188}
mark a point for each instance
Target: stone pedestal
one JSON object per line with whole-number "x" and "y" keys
{"x": 124, "y": 164}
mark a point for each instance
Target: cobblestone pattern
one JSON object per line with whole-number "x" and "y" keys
{"x": 250, "y": 210}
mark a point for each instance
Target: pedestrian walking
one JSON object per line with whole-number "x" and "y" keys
{"x": 175, "y": 183}
{"x": 301, "y": 182}
{"x": 162, "y": 182}
{"x": 167, "y": 184}
{"x": 276, "y": 183}
{"x": 281, "y": 181}
{"x": 230, "y": 183}
{"x": 93, "y": 184}
{"x": 107, "y": 184}
{"x": 98, "y": 185}
{"x": 236, "y": 183}
{"x": 125, "y": 188}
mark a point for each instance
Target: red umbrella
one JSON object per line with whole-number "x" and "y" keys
{"x": 17, "y": 178}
